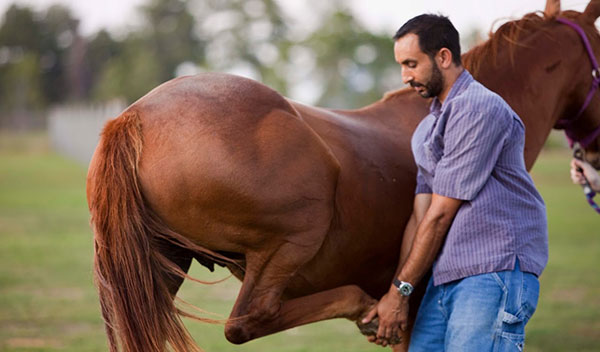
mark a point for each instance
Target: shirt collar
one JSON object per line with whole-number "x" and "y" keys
{"x": 461, "y": 83}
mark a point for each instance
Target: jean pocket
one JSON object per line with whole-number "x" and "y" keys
{"x": 508, "y": 318}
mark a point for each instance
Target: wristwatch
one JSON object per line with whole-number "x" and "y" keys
{"x": 405, "y": 288}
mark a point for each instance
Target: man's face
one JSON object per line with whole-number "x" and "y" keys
{"x": 418, "y": 69}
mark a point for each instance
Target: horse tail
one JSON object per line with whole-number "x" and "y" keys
{"x": 131, "y": 273}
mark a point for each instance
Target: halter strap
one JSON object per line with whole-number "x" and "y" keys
{"x": 566, "y": 124}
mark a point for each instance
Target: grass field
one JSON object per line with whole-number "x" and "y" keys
{"x": 48, "y": 302}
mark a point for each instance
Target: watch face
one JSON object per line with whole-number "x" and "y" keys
{"x": 405, "y": 289}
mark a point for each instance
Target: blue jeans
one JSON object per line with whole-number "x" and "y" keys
{"x": 479, "y": 313}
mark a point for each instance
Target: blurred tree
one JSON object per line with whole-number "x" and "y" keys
{"x": 169, "y": 30}
{"x": 354, "y": 67}
{"x": 244, "y": 37}
{"x": 102, "y": 51}
{"x": 19, "y": 55}
{"x": 131, "y": 74}
{"x": 20, "y": 29}
{"x": 59, "y": 31}
{"x": 45, "y": 38}
{"x": 146, "y": 57}
{"x": 336, "y": 64}
{"x": 23, "y": 88}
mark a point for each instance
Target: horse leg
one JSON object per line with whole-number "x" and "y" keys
{"x": 259, "y": 309}
{"x": 267, "y": 275}
{"x": 349, "y": 302}
{"x": 179, "y": 256}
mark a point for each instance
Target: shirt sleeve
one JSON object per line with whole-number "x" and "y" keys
{"x": 473, "y": 142}
{"x": 422, "y": 186}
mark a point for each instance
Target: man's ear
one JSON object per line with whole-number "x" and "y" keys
{"x": 444, "y": 57}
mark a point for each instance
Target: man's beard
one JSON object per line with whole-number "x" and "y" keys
{"x": 433, "y": 87}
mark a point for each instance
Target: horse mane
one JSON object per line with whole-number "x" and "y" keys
{"x": 510, "y": 33}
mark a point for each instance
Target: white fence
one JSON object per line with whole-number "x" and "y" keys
{"x": 75, "y": 129}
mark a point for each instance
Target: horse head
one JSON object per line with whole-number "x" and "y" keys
{"x": 581, "y": 117}
{"x": 541, "y": 65}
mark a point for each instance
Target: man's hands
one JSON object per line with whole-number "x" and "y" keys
{"x": 392, "y": 311}
{"x": 433, "y": 215}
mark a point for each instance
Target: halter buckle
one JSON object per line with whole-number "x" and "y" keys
{"x": 596, "y": 74}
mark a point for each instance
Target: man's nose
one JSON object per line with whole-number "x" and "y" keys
{"x": 407, "y": 76}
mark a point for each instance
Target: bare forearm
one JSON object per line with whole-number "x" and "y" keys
{"x": 426, "y": 246}
{"x": 428, "y": 238}
{"x": 420, "y": 206}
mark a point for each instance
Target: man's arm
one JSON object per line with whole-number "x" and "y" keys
{"x": 420, "y": 206}
{"x": 429, "y": 238}
{"x": 392, "y": 309}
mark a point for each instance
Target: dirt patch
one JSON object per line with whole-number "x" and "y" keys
{"x": 572, "y": 295}
{"x": 32, "y": 342}
{"x": 66, "y": 293}
{"x": 591, "y": 332}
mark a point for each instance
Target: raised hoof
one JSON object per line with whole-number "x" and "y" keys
{"x": 236, "y": 334}
{"x": 370, "y": 329}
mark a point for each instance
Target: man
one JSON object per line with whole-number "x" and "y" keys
{"x": 478, "y": 219}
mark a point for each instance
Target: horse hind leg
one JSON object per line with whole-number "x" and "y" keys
{"x": 182, "y": 259}
{"x": 349, "y": 302}
{"x": 283, "y": 250}
{"x": 267, "y": 274}
{"x": 260, "y": 310}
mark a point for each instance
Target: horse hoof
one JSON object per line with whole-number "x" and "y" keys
{"x": 370, "y": 329}
{"x": 236, "y": 333}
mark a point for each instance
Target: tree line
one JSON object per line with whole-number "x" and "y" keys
{"x": 45, "y": 60}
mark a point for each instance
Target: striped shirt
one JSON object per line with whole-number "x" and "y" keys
{"x": 471, "y": 148}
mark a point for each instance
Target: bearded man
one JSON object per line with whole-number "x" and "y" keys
{"x": 478, "y": 222}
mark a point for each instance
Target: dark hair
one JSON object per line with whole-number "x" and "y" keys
{"x": 435, "y": 32}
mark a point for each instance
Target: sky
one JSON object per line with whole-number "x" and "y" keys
{"x": 376, "y": 15}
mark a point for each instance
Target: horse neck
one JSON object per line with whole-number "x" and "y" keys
{"x": 402, "y": 109}
{"x": 537, "y": 98}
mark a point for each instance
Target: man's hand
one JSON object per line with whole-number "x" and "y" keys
{"x": 587, "y": 170}
{"x": 392, "y": 311}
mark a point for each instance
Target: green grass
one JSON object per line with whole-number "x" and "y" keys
{"x": 568, "y": 315}
{"x": 48, "y": 301}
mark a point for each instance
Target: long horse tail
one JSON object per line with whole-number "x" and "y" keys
{"x": 131, "y": 273}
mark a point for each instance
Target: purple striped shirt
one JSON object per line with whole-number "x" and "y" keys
{"x": 471, "y": 148}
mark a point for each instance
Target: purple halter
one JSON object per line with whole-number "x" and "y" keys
{"x": 567, "y": 124}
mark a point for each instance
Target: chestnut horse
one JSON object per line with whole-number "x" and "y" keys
{"x": 307, "y": 206}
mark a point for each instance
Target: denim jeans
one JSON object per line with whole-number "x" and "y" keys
{"x": 479, "y": 313}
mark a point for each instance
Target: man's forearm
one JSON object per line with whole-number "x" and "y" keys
{"x": 420, "y": 206}
{"x": 429, "y": 237}
{"x": 426, "y": 245}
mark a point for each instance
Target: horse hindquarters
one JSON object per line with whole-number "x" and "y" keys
{"x": 135, "y": 277}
